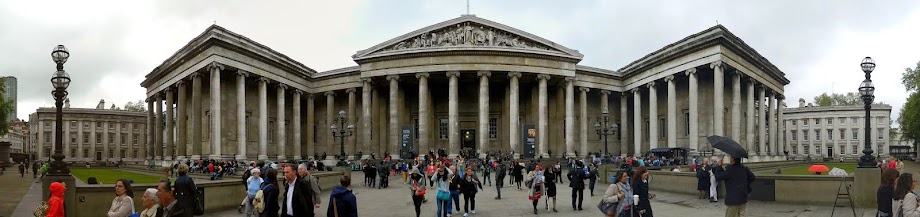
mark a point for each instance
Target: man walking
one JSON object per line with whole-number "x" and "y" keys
{"x": 737, "y": 178}
{"x": 499, "y": 178}
{"x": 35, "y": 169}
{"x": 311, "y": 181}
{"x": 577, "y": 182}
{"x": 295, "y": 202}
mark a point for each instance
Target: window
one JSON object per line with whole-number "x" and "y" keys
{"x": 85, "y": 125}
{"x": 795, "y": 151}
{"x": 493, "y": 128}
{"x": 247, "y": 123}
{"x": 842, "y": 134}
{"x": 98, "y": 138}
{"x": 47, "y": 137}
{"x": 124, "y": 137}
{"x": 134, "y": 153}
{"x": 881, "y": 120}
{"x": 830, "y": 134}
{"x": 134, "y": 138}
{"x": 86, "y": 139}
{"x": 111, "y": 125}
{"x": 817, "y": 135}
{"x": 806, "y": 136}
{"x": 663, "y": 128}
{"x": 123, "y": 153}
{"x": 842, "y": 150}
{"x": 855, "y": 134}
{"x": 98, "y": 124}
{"x": 271, "y": 131}
{"x": 881, "y": 133}
{"x": 794, "y": 135}
{"x": 111, "y": 153}
{"x": 442, "y": 128}
{"x": 793, "y": 122}
{"x": 86, "y": 153}
{"x": 855, "y": 149}
{"x": 806, "y": 151}
{"x": 73, "y": 152}
{"x": 817, "y": 149}
{"x": 842, "y": 120}
{"x": 830, "y": 121}
{"x": 687, "y": 118}
{"x": 853, "y": 120}
{"x": 804, "y": 122}
{"x": 73, "y": 125}
{"x": 47, "y": 124}
{"x": 73, "y": 138}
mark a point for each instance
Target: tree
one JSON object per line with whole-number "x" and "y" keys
{"x": 6, "y": 107}
{"x": 840, "y": 99}
{"x": 910, "y": 113}
{"x": 135, "y": 106}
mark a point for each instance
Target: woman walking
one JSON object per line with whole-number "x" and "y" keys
{"x": 270, "y": 193}
{"x": 185, "y": 189}
{"x": 518, "y": 174}
{"x": 468, "y": 187}
{"x": 618, "y": 197}
{"x": 417, "y": 187}
{"x": 592, "y": 177}
{"x": 441, "y": 179}
{"x": 253, "y": 185}
{"x": 909, "y": 200}
{"x": 123, "y": 204}
{"x": 535, "y": 180}
{"x": 550, "y": 184}
{"x": 640, "y": 187}
{"x": 885, "y": 193}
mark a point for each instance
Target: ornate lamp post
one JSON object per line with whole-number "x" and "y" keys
{"x": 605, "y": 130}
{"x": 866, "y": 90}
{"x": 59, "y": 81}
{"x": 341, "y": 134}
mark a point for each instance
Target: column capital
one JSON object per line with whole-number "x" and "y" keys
{"x": 329, "y": 93}
{"x": 350, "y": 90}
{"x": 650, "y": 84}
{"x": 366, "y": 80}
{"x": 392, "y": 77}
{"x": 422, "y": 74}
{"x": 484, "y": 73}
{"x": 243, "y": 73}
{"x": 669, "y": 78}
{"x": 605, "y": 92}
{"x": 264, "y": 80}
{"x": 543, "y": 77}
{"x": 780, "y": 97}
{"x": 584, "y": 89}
{"x": 690, "y": 71}
{"x": 282, "y": 86}
{"x": 181, "y": 82}
{"x": 635, "y": 90}
{"x": 195, "y": 75}
{"x": 514, "y": 75}
{"x": 310, "y": 96}
{"x": 169, "y": 90}
{"x": 569, "y": 79}
{"x": 298, "y": 91}
{"x": 717, "y": 63}
{"x": 453, "y": 73}
{"x": 216, "y": 65}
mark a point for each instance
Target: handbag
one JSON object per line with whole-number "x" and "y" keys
{"x": 133, "y": 212}
{"x": 199, "y": 204}
{"x": 419, "y": 191}
{"x": 442, "y": 195}
{"x": 41, "y": 210}
{"x": 607, "y": 207}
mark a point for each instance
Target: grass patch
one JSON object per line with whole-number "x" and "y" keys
{"x": 109, "y": 176}
{"x": 803, "y": 170}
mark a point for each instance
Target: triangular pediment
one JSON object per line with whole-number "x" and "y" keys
{"x": 468, "y": 32}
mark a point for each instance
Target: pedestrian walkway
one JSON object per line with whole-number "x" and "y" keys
{"x": 30, "y": 200}
{"x": 396, "y": 201}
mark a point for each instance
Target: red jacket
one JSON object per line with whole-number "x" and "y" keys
{"x": 56, "y": 201}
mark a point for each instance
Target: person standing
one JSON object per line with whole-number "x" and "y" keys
{"x": 737, "y": 178}
{"x": 535, "y": 180}
{"x": 577, "y": 182}
{"x": 499, "y": 178}
{"x": 185, "y": 189}
{"x": 416, "y": 185}
{"x": 56, "y": 201}
{"x": 168, "y": 202}
{"x": 296, "y": 202}
{"x": 270, "y": 193}
{"x": 253, "y": 185}
{"x": 342, "y": 201}
{"x": 559, "y": 171}
{"x": 468, "y": 187}
{"x": 550, "y": 186}
{"x": 702, "y": 178}
{"x": 151, "y": 204}
{"x": 518, "y": 174}
{"x": 311, "y": 181}
{"x": 123, "y": 204}
{"x": 592, "y": 177}
{"x": 714, "y": 162}
{"x": 904, "y": 191}
{"x": 35, "y": 169}
{"x": 885, "y": 193}
{"x": 486, "y": 172}
{"x": 640, "y": 187}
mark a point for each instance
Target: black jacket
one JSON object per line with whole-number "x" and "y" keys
{"x": 641, "y": 188}
{"x": 270, "y": 195}
{"x": 737, "y": 180}
{"x": 177, "y": 211}
{"x": 468, "y": 187}
{"x": 185, "y": 192}
{"x": 577, "y": 178}
{"x": 454, "y": 183}
{"x": 885, "y": 195}
{"x": 302, "y": 203}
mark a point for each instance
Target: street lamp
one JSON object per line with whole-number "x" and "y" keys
{"x": 341, "y": 134}
{"x": 605, "y": 130}
{"x": 866, "y": 91}
{"x": 59, "y": 81}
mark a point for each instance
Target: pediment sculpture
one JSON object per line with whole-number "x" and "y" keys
{"x": 467, "y": 34}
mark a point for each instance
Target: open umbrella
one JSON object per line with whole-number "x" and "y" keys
{"x": 818, "y": 168}
{"x": 728, "y": 146}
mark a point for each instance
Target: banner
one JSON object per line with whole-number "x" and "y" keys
{"x": 529, "y": 140}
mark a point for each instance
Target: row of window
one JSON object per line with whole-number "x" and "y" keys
{"x": 817, "y": 134}
{"x": 830, "y": 121}
{"x": 817, "y": 150}
{"x": 86, "y": 138}
{"x": 110, "y": 154}
{"x": 73, "y": 125}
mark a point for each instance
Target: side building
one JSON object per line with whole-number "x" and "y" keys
{"x": 10, "y": 85}
{"x": 836, "y": 131}
{"x": 901, "y": 149}
{"x": 91, "y": 134}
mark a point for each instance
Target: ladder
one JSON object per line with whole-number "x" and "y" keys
{"x": 843, "y": 193}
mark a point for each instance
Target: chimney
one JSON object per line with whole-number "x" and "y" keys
{"x": 101, "y": 104}
{"x": 801, "y": 103}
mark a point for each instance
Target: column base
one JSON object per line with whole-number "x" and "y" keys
{"x": 298, "y": 157}
{"x": 281, "y": 157}
{"x": 196, "y": 157}
{"x": 263, "y": 157}
{"x": 215, "y": 157}
{"x": 156, "y": 158}
{"x": 516, "y": 156}
{"x": 365, "y": 157}
{"x": 395, "y": 157}
{"x": 754, "y": 158}
{"x": 452, "y": 156}
{"x": 168, "y": 158}
{"x": 181, "y": 157}
{"x": 240, "y": 157}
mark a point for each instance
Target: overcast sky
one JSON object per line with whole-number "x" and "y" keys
{"x": 114, "y": 44}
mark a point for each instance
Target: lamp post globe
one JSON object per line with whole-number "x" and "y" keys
{"x": 60, "y": 54}
{"x": 867, "y": 65}
{"x": 60, "y": 80}
{"x": 867, "y": 92}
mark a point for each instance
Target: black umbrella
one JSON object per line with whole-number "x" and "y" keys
{"x": 728, "y": 146}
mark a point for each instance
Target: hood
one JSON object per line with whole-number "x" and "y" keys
{"x": 57, "y": 189}
{"x": 338, "y": 191}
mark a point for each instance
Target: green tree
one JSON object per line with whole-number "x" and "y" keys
{"x": 841, "y": 99}
{"x": 6, "y": 107}
{"x": 135, "y": 106}
{"x": 910, "y": 112}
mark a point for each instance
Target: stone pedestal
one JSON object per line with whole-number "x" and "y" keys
{"x": 70, "y": 195}
{"x": 865, "y": 186}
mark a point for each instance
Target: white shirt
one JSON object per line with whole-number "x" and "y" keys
{"x": 290, "y": 198}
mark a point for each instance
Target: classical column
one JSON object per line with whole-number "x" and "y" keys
{"x": 149, "y": 135}
{"x": 652, "y": 116}
{"x": 624, "y": 124}
{"x": 514, "y": 104}
{"x": 130, "y": 153}
{"x": 424, "y": 114}
{"x": 118, "y": 142}
{"x": 750, "y": 119}
{"x": 394, "y": 115}
{"x": 453, "y": 116}
{"x": 170, "y": 145}
{"x": 570, "y": 116}
{"x": 215, "y": 137}
{"x": 694, "y": 136}
{"x": 672, "y": 111}
{"x": 263, "y": 118}
{"x": 736, "y": 106}
{"x": 157, "y": 133}
{"x": 718, "y": 100}
{"x": 311, "y": 125}
{"x": 350, "y": 141}
{"x": 240, "y": 115}
{"x": 196, "y": 116}
{"x": 298, "y": 151}
{"x": 583, "y": 120}
{"x": 542, "y": 114}
{"x": 637, "y": 121}
{"x": 772, "y": 123}
{"x": 280, "y": 129}
{"x": 181, "y": 120}
{"x": 66, "y": 139}
{"x": 80, "y": 155}
{"x": 330, "y": 120}
{"x": 781, "y": 126}
{"x": 762, "y": 120}
{"x": 605, "y": 96}
{"x": 483, "y": 123}
{"x": 366, "y": 116}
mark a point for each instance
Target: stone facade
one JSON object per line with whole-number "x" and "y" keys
{"x": 465, "y": 83}
{"x": 836, "y": 131}
{"x": 91, "y": 134}
{"x": 900, "y": 148}
{"x": 18, "y": 137}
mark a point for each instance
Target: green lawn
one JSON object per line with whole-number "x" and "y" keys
{"x": 109, "y": 176}
{"x": 803, "y": 170}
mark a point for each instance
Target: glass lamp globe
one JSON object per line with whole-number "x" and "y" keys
{"x": 60, "y": 54}
{"x": 867, "y": 65}
{"x": 60, "y": 80}
{"x": 866, "y": 88}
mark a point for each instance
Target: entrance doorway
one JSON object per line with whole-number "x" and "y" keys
{"x": 468, "y": 139}
{"x": 830, "y": 151}
{"x": 98, "y": 156}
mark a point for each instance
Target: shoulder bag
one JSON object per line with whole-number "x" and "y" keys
{"x": 41, "y": 210}
{"x": 442, "y": 195}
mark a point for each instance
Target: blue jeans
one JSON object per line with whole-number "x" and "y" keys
{"x": 455, "y": 198}
{"x": 443, "y": 208}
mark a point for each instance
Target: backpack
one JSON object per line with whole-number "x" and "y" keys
{"x": 246, "y": 176}
{"x": 258, "y": 202}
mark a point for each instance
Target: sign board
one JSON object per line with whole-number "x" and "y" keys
{"x": 407, "y": 138}
{"x": 529, "y": 140}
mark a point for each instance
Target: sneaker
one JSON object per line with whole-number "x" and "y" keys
{"x": 473, "y": 212}
{"x": 498, "y": 198}
{"x": 466, "y": 214}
